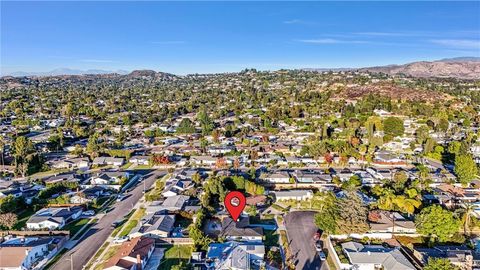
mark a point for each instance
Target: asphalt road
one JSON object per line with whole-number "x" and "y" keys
{"x": 300, "y": 230}
{"x": 99, "y": 233}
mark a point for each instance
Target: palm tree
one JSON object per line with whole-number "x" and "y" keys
{"x": 467, "y": 212}
{"x": 2, "y": 145}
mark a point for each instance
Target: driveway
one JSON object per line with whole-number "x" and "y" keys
{"x": 97, "y": 234}
{"x": 300, "y": 231}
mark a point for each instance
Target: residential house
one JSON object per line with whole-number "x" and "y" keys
{"x": 312, "y": 176}
{"x": 53, "y": 218}
{"x": 176, "y": 184}
{"x": 203, "y": 161}
{"x": 73, "y": 163}
{"x": 298, "y": 195}
{"x": 373, "y": 257}
{"x": 170, "y": 204}
{"x": 132, "y": 255}
{"x": 140, "y": 160}
{"x": 26, "y": 252}
{"x": 241, "y": 230}
{"x": 235, "y": 256}
{"x": 388, "y": 158}
{"x": 460, "y": 256}
{"x": 89, "y": 194}
{"x": 109, "y": 178}
{"x": 277, "y": 177}
{"x": 154, "y": 226}
{"x": 103, "y": 161}
{"x": 388, "y": 222}
{"x": 64, "y": 177}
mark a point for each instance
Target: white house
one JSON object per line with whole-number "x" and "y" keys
{"x": 53, "y": 218}
{"x": 298, "y": 195}
{"x": 279, "y": 177}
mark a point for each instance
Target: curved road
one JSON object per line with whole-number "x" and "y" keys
{"x": 96, "y": 235}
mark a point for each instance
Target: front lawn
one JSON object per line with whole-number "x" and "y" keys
{"x": 271, "y": 238}
{"x": 22, "y": 219}
{"x": 174, "y": 255}
{"x": 132, "y": 222}
{"x": 156, "y": 192}
{"x": 75, "y": 226}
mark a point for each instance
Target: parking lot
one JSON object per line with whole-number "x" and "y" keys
{"x": 300, "y": 231}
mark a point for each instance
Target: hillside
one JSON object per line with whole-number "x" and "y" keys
{"x": 462, "y": 68}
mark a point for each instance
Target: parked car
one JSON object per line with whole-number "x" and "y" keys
{"x": 318, "y": 246}
{"x": 89, "y": 213}
{"x": 322, "y": 256}
{"x": 119, "y": 240}
{"x": 121, "y": 197}
{"x": 117, "y": 223}
{"x": 107, "y": 210}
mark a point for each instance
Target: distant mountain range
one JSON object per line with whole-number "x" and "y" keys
{"x": 67, "y": 71}
{"x": 459, "y": 67}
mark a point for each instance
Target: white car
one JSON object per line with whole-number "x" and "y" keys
{"x": 119, "y": 240}
{"x": 89, "y": 213}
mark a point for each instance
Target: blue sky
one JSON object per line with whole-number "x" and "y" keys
{"x": 205, "y": 37}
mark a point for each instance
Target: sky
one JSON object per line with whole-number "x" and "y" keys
{"x": 209, "y": 37}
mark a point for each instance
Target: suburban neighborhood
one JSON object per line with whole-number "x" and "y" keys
{"x": 355, "y": 183}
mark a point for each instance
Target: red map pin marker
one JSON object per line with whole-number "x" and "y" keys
{"x": 235, "y": 203}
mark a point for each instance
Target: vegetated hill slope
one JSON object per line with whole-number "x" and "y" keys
{"x": 391, "y": 91}
{"x": 462, "y": 68}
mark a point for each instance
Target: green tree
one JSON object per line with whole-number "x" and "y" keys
{"x": 393, "y": 126}
{"x": 465, "y": 168}
{"x": 422, "y": 133}
{"x": 205, "y": 122}
{"x": 93, "y": 147}
{"x": 326, "y": 218}
{"x": 437, "y": 223}
{"x": 353, "y": 213}
{"x": 186, "y": 126}
{"x": 353, "y": 182}
{"x": 439, "y": 264}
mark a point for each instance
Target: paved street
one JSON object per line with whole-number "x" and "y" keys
{"x": 300, "y": 230}
{"x": 99, "y": 233}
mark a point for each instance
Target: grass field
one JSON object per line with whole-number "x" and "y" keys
{"x": 76, "y": 225}
{"x": 22, "y": 219}
{"x": 174, "y": 255}
{"x": 85, "y": 229}
{"x": 132, "y": 222}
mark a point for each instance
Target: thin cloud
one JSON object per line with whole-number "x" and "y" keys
{"x": 301, "y": 22}
{"x": 431, "y": 34}
{"x": 458, "y": 43}
{"x": 332, "y": 41}
{"x": 96, "y": 61}
{"x": 168, "y": 42}
{"x": 385, "y": 34}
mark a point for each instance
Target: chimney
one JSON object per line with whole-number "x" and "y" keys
{"x": 139, "y": 262}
